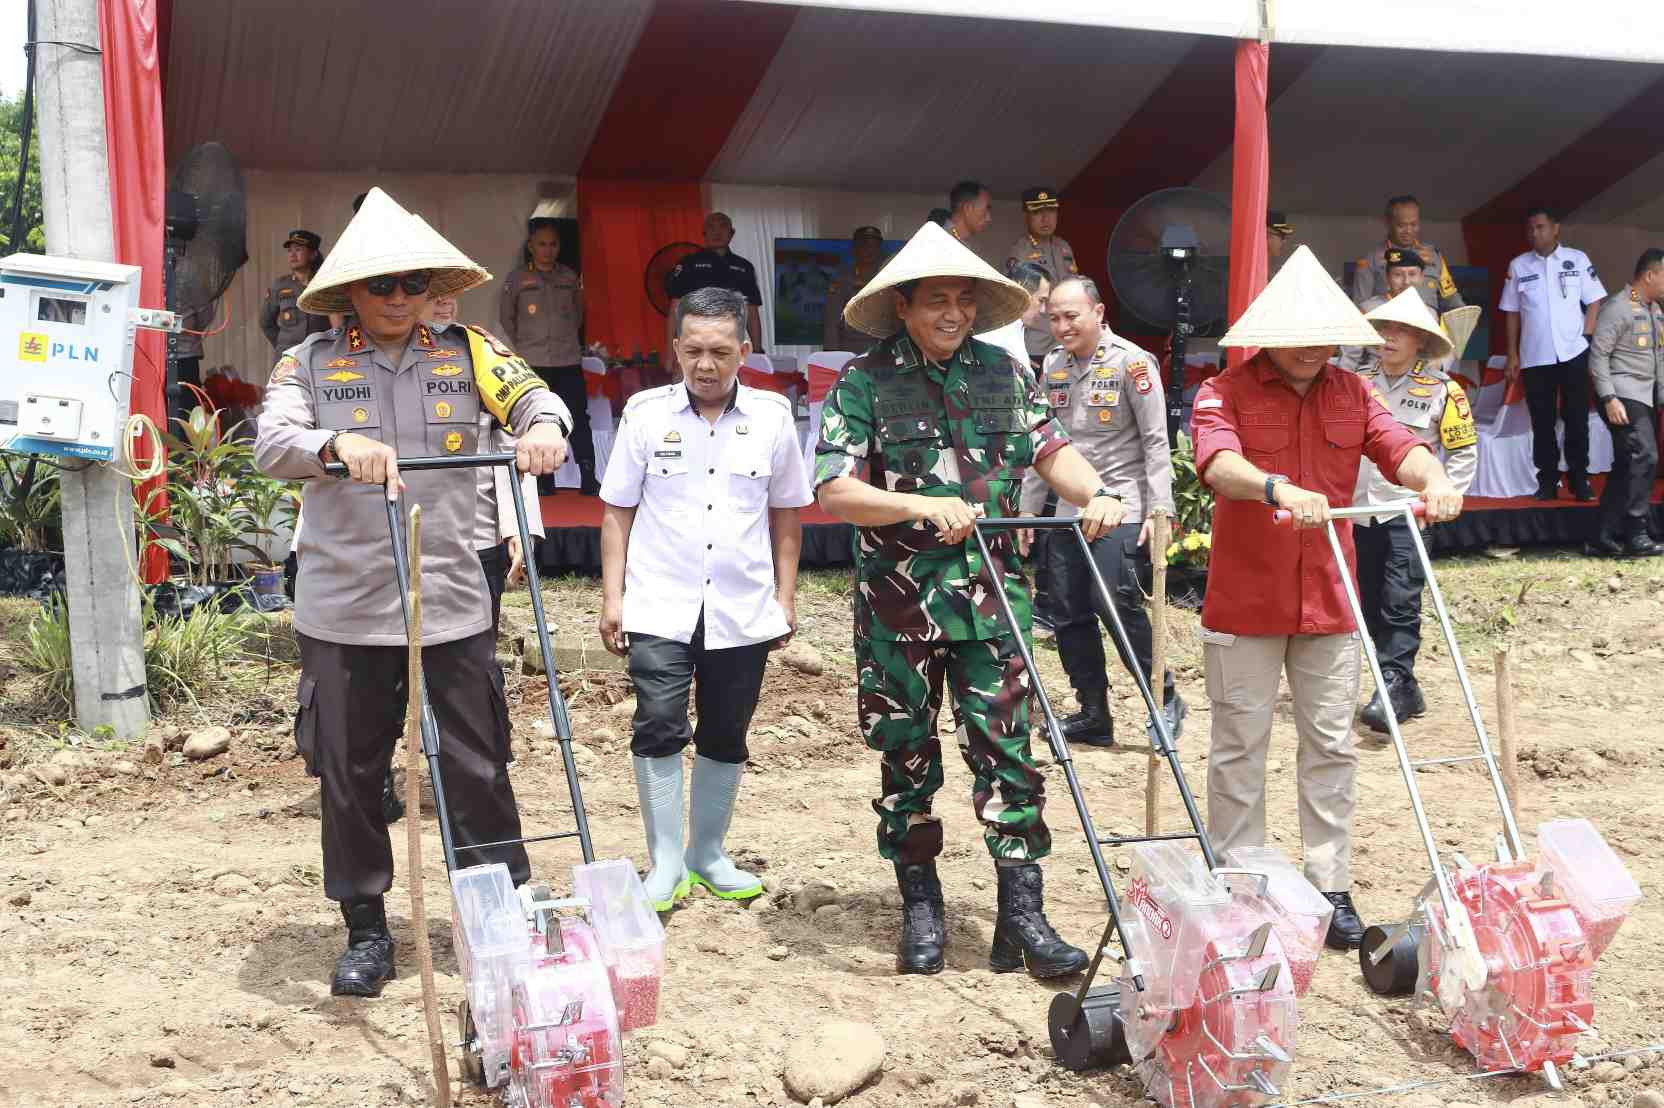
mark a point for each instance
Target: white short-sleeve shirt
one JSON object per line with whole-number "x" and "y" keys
{"x": 702, "y": 494}
{"x": 1551, "y": 295}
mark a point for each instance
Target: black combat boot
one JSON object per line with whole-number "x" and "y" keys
{"x": 1581, "y": 489}
{"x": 1092, "y": 725}
{"x": 1404, "y": 693}
{"x": 367, "y": 963}
{"x": 1604, "y": 545}
{"x": 1640, "y": 544}
{"x": 1346, "y": 930}
{"x": 924, "y": 922}
{"x": 1022, "y": 936}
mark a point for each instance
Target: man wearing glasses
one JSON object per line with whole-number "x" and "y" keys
{"x": 387, "y": 386}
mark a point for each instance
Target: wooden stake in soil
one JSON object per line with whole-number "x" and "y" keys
{"x": 1505, "y": 726}
{"x": 413, "y": 817}
{"x": 1159, "y": 537}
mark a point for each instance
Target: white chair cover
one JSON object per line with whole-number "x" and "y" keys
{"x": 1504, "y": 468}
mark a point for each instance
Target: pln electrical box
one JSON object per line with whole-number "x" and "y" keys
{"x": 66, "y": 354}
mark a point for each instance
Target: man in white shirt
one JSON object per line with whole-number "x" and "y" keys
{"x": 699, "y": 549}
{"x": 1549, "y": 300}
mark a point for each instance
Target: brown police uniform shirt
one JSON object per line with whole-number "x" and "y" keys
{"x": 1054, "y": 253}
{"x": 281, "y": 319}
{"x": 1112, "y": 407}
{"x": 427, "y": 404}
{"x": 835, "y": 333}
{"x": 541, "y": 313}
{"x": 1624, "y": 357}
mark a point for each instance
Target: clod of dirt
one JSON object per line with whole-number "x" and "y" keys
{"x": 207, "y": 743}
{"x": 833, "y": 1061}
{"x": 814, "y": 895}
{"x": 20, "y": 899}
{"x": 52, "y": 774}
{"x": 161, "y": 1059}
{"x": 625, "y": 709}
{"x": 1648, "y": 1099}
{"x": 234, "y": 884}
{"x": 672, "y": 1053}
{"x": 803, "y": 658}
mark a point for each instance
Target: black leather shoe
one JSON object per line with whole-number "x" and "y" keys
{"x": 1547, "y": 490}
{"x": 924, "y": 922}
{"x": 1603, "y": 545}
{"x": 1404, "y": 694}
{"x": 1640, "y": 545}
{"x": 1022, "y": 936}
{"x": 1092, "y": 725}
{"x": 587, "y": 484}
{"x": 367, "y": 963}
{"x": 392, "y": 804}
{"x": 1346, "y": 930}
{"x": 1581, "y": 488}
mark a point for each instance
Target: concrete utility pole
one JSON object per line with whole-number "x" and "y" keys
{"x": 106, "y": 635}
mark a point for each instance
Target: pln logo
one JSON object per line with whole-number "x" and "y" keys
{"x": 35, "y": 347}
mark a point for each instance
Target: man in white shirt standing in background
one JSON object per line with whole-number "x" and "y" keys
{"x": 1550, "y": 299}
{"x": 699, "y": 549}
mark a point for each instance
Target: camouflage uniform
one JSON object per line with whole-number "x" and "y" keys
{"x": 966, "y": 428}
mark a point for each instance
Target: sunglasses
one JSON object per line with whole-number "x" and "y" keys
{"x": 414, "y": 284}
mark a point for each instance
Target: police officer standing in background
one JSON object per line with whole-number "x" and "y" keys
{"x": 1403, "y": 270}
{"x": 281, "y": 319}
{"x": 541, "y": 310}
{"x": 867, "y": 246}
{"x": 944, "y": 426}
{"x": 1628, "y": 373}
{"x": 1107, "y": 394}
{"x": 716, "y": 266}
{"x": 1549, "y": 300}
{"x": 1437, "y": 287}
{"x": 970, "y": 210}
{"x": 1405, "y": 371}
{"x": 380, "y": 388}
{"x": 1041, "y": 244}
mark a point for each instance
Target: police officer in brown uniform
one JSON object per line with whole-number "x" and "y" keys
{"x": 1436, "y": 286}
{"x": 541, "y": 309}
{"x": 386, "y": 386}
{"x": 1107, "y": 393}
{"x": 867, "y": 246}
{"x": 1041, "y": 244}
{"x": 1627, "y": 371}
{"x": 281, "y": 318}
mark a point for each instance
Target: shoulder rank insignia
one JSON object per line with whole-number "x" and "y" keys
{"x": 342, "y": 376}
{"x": 339, "y": 363}
{"x": 355, "y": 339}
{"x": 447, "y": 370}
{"x": 424, "y": 336}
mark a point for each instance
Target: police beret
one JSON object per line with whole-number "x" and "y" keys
{"x": 303, "y": 238}
{"x": 867, "y": 232}
{"x": 1397, "y": 257}
{"x": 1038, "y": 199}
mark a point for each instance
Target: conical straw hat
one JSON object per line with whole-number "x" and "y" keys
{"x": 1459, "y": 325}
{"x": 932, "y": 252}
{"x": 1411, "y": 310}
{"x": 1301, "y": 306}
{"x": 384, "y": 238}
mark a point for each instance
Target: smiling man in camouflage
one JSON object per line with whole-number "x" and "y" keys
{"x": 945, "y": 427}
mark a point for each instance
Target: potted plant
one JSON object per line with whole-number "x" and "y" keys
{"x": 269, "y": 503}
{"x": 1192, "y": 545}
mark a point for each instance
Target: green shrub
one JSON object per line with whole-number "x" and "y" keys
{"x": 47, "y": 651}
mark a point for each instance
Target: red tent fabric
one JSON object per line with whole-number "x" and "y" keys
{"x": 1250, "y": 185}
{"x": 138, "y": 183}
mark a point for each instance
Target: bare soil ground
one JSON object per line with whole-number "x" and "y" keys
{"x": 164, "y": 939}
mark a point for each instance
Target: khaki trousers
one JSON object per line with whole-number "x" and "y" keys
{"x": 1242, "y": 673}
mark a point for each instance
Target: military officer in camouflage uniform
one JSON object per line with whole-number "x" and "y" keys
{"x": 1405, "y": 373}
{"x": 281, "y": 319}
{"x": 1041, "y": 244}
{"x": 383, "y": 387}
{"x": 1436, "y": 286}
{"x": 1627, "y": 370}
{"x": 944, "y": 427}
{"x": 1107, "y": 393}
{"x": 867, "y": 246}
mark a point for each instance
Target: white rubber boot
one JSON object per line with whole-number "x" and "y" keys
{"x": 659, "y": 788}
{"x": 715, "y": 786}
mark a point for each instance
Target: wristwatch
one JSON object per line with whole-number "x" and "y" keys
{"x": 1103, "y": 490}
{"x": 1272, "y": 480}
{"x": 327, "y": 454}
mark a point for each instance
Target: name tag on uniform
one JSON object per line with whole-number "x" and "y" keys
{"x": 667, "y": 453}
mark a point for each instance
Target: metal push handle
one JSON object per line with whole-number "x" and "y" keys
{"x": 1412, "y": 510}
{"x": 558, "y": 716}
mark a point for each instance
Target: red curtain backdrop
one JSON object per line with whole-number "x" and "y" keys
{"x": 622, "y": 224}
{"x": 138, "y": 181}
{"x": 1250, "y": 184}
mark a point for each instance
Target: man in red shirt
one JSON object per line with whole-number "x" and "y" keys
{"x": 1287, "y": 430}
